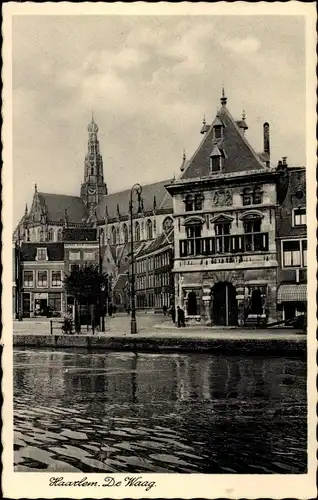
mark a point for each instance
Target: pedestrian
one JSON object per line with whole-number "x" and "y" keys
{"x": 180, "y": 317}
{"x": 110, "y": 309}
{"x": 164, "y": 308}
{"x": 173, "y": 314}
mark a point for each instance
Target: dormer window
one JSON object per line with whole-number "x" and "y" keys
{"x": 217, "y": 132}
{"x": 41, "y": 253}
{"x": 215, "y": 163}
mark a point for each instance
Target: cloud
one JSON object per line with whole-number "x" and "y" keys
{"x": 243, "y": 46}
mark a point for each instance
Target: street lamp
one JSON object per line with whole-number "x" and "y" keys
{"x": 103, "y": 288}
{"x": 137, "y": 188}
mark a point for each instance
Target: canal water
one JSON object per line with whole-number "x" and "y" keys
{"x": 187, "y": 413}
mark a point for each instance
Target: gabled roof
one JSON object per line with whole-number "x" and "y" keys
{"x": 239, "y": 154}
{"x": 121, "y": 199}
{"x": 57, "y": 204}
{"x": 163, "y": 240}
{"x": 55, "y": 251}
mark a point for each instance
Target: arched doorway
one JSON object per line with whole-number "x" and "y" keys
{"x": 224, "y": 310}
{"x": 192, "y": 304}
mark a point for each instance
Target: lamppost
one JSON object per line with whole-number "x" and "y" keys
{"x": 18, "y": 276}
{"x": 101, "y": 301}
{"x": 138, "y": 189}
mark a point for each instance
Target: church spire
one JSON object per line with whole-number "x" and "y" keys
{"x": 93, "y": 188}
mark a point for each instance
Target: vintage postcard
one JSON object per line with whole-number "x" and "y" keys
{"x": 159, "y": 194}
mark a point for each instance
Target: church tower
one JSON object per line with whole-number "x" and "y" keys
{"x": 93, "y": 188}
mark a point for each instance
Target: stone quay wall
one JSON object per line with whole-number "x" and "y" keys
{"x": 262, "y": 346}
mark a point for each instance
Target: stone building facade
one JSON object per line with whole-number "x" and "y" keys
{"x": 225, "y": 228}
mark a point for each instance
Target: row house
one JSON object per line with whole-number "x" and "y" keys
{"x": 153, "y": 273}
{"x": 292, "y": 247}
{"x": 225, "y": 203}
{"x": 42, "y": 271}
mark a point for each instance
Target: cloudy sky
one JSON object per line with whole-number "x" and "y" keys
{"x": 149, "y": 81}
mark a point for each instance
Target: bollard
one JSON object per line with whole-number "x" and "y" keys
{"x": 51, "y": 326}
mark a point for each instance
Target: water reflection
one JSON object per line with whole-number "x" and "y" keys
{"x": 137, "y": 412}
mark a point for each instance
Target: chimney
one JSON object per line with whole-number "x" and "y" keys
{"x": 266, "y": 138}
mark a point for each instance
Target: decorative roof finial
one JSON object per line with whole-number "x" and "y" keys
{"x": 204, "y": 120}
{"x": 154, "y": 202}
{"x": 35, "y": 188}
{"x": 26, "y": 209}
{"x": 243, "y": 115}
{"x": 223, "y": 98}
{"x": 184, "y": 157}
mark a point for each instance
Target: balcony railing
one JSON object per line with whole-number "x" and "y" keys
{"x": 227, "y": 244}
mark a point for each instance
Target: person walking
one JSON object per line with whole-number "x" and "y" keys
{"x": 164, "y": 308}
{"x": 173, "y": 314}
{"x": 110, "y": 309}
{"x": 180, "y": 317}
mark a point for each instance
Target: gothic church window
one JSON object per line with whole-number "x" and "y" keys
{"x": 51, "y": 235}
{"x": 113, "y": 236}
{"x": 149, "y": 230}
{"x": 137, "y": 231}
{"x": 125, "y": 233}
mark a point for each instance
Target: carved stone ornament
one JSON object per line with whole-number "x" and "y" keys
{"x": 222, "y": 197}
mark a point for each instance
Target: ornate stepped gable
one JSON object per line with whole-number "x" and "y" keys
{"x": 224, "y": 139}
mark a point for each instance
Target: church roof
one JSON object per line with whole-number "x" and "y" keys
{"x": 239, "y": 155}
{"x": 57, "y": 204}
{"x": 121, "y": 199}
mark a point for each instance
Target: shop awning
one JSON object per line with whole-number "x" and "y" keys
{"x": 292, "y": 293}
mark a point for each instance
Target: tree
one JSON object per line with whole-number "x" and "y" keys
{"x": 87, "y": 284}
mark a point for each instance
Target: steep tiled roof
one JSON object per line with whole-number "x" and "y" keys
{"x": 161, "y": 241}
{"x": 121, "y": 282}
{"x": 56, "y": 204}
{"x": 55, "y": 251}
{"x": 239, "y": 156}
{"x": 79, "y": 234}
{"x": 121, "y": 199}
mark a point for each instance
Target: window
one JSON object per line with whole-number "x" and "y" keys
{"x": 304, "y": 252}
{"x": 56, "y": 279}
{"x": 54, "y": 301}
{"x": 28, "y": 279}
{"x": 74, "y": 255}
{"x": 217, "y": 132}
{"x": 194, "y": 242}
{"x": 89, "y": 256}
{"x": 137, "y": 231}
{"x": 247, "y": 196}
{"x": 60, "y": 234}
{"x": 51, "y": 235}
{"x": 92, "y": 171}
{"x": 257, "y": 195}
{"x": 295, "y": 253}
{"x": 41, "y": 235}
{"x": 41, "y": 253}
{"x": 125, "y": 233}
{"x": 252, "y": 196}
{"x": 291, "y": 253}
{"x": 254, "y": 239}
{"x": 198, "y": 199}
{"x": 113, "y": 236}
{"x": 300, "y": 216}
{"x": 188, "y": 203}
{"x": 215, "y": 163}
{"x": 42, "y": 279}
{"x": 222, "y": 240}
{"x": 149, "y": 230}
